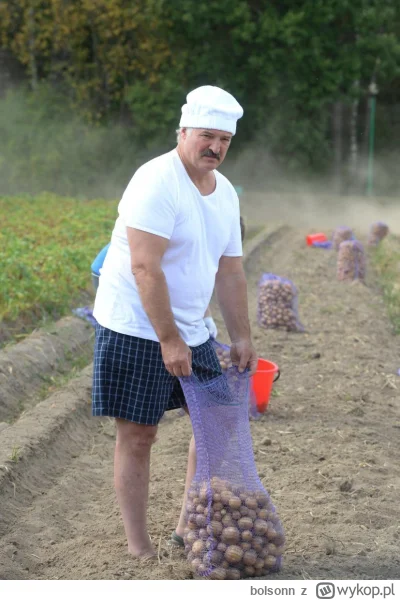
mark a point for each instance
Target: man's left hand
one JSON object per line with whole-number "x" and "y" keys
{"x": 243, "y": 355}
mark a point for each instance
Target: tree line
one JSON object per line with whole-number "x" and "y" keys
{"x": 304, "y": 70}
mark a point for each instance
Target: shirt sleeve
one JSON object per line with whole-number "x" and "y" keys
{"x": 234, "y": 247}
{"x": 148, "y": 204}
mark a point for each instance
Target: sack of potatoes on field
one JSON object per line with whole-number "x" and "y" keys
{"x": 341, "y": 234}
{"x": 377, "y": 232}
{"x": 351, "y": 261}
{"x": 232, "y": 529}
{"x": 278, "y": 303}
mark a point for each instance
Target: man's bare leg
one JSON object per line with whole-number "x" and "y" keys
{"x": 131, "y": 479}
{"x": 191, "y": 469}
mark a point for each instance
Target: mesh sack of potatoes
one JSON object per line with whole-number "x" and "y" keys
{"x": 377, "y": 232}
{"x": 341, "y": 234}
{"x": 224, "y": 356}
{"x": 351, "y": 261}
{"x": 278, "y": 303}
{"x": 232, "y": 529}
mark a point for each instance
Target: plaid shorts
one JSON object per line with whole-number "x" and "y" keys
{"x": 130, "y": 380}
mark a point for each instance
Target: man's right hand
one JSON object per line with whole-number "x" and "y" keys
{"x": 177, "y": 357}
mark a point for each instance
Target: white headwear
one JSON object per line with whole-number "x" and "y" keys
{"x": 209, "y": 107}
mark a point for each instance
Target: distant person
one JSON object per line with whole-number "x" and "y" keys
{"x": 97, "y": 265}
{"x": 177, "y": 235}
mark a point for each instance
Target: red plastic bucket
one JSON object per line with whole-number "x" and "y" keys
{"x": 263, "y": 379}
{"x": 315, "y": 237}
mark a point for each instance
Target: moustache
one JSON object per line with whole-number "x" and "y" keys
{"x": 210, "y": 154}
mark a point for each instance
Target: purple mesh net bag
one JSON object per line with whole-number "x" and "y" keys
{"x": 326, "y": 245}
{"x": 377, "y": 232}
{"x": 341, "y": 234}
{"x": 351, "y": 261}
{"x": 233, "y": 530}
{"x": 85, "y": 313}
{"x": 223, "y": 353}
{"x": 278, "y": 303}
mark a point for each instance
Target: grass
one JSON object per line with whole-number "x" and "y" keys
{"x": 47, "y": 244}
{"x": 14, "y": 456}
{"x": 386, "y": 260}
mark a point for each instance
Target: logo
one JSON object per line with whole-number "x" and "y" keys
{"x": 325, "y": 590}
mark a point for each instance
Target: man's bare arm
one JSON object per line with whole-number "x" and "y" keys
{"x": 231, "y": 290}
{"x": 147, "y": 251}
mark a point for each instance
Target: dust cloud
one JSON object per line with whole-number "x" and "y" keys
{"x": 272, "y": 193}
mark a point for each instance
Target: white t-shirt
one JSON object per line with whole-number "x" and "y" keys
{"x": 162, "y": 199}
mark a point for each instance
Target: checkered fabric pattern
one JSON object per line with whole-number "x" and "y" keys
{"x": 130, "y": 380}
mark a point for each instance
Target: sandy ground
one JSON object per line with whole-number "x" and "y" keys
{"x": 327, "y": 450}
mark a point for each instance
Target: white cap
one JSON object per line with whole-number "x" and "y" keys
{"x": 209, "y": 107}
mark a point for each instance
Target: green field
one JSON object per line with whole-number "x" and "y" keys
{"x": 386, "y": 260}
{"x": 47, "y": 244}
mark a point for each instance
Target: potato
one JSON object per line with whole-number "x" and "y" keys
{"x": 203, "y": 535}
{"x": 201, "y": 520}
{"x": 230, "y": 535}
{"x": 262, "y": 499}
{"x": 236, "y": 515}
{"x": 218, "y": 573}
{"x": 245, "y": 523}
{"x": 251, "y": 503}
{"x": 260, "y": 527}
{"x": 227, "y": 521}
{"x": 232, "y": 573}
{"x": 249, "y": 571}
{"x": 274, "y": 550}
{"x": 233, "y": 554}
{"x": 192, "y": 536}
{"x": 246, "y": 535}
{"x": 263, "y": 514}
{"x": 222, "y": 547}
{"x": 245, "y": 546}
{"x": 214, "y": 528}
{"x": 215, "y": 558}
{"x": 226, "y": 496}
{"x": 196, "y": 562}
{"x": 258, "y": 543}
{"x": 270, "y": 562}
{"x": 259, "y": 564}
{"x": 235, "y": 502}
{"x": 198, "y": 547}
{"x": 250, "y": 557}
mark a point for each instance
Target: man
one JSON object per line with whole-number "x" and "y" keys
{"x": 177, "y": 234}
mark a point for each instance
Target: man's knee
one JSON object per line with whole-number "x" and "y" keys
{"x": 135, "y": 437}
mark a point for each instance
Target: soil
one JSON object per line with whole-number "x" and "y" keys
{"x": 327, "y": 450}
{"x": 26, "y": 367}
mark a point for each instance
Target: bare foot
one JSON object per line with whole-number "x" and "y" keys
{"x": 143, "y": 553}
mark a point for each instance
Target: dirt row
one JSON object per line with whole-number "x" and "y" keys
{"x": 26, "y": 367}
{"x": 327, "y": 449}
